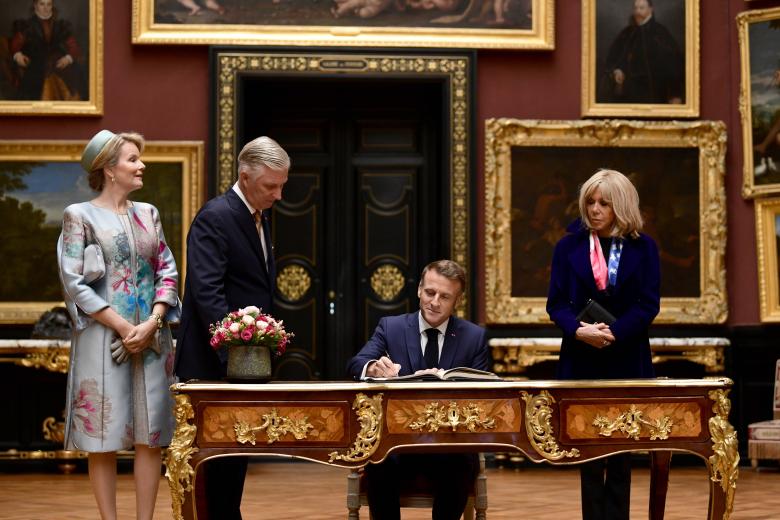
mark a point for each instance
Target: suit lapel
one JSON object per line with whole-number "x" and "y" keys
{"x": 246, "y": 224}
{"x": 450, "y": 345}
{"x": 413, "y": 346}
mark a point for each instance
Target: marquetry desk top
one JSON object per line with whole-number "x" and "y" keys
{"x": 353, "y": 424}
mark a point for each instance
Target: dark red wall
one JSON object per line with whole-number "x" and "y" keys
{"x": 162, "y": 91}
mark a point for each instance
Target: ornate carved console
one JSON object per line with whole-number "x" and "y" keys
{"x": 353, "y": 424}
{"x": 512, "y": 356}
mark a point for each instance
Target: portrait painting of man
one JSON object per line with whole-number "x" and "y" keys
{"x": 641, "y": 58}
{"x": 44, "y": 50}
{"x": 639, "y": 49}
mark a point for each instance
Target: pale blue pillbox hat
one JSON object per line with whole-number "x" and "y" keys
{"x": 94, "y": 147}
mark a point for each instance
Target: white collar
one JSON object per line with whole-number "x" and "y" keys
{"x": 424, "y": 325}
{"x": 241, "y": 196}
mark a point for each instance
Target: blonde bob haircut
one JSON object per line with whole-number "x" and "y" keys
{"x": 109, "y": 157}
{"x": 622, "y": 197}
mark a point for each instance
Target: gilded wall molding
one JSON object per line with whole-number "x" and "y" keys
{"x": 455, "y": 70}
{"x": 708, "y": 137}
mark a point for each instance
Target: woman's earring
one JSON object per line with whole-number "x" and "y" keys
{"x": 113, "y": 179}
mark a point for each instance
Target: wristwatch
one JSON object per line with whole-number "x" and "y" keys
{"x": 156, "y": 317}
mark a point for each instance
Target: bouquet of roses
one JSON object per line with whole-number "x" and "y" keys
{"x": 249, "y": 326}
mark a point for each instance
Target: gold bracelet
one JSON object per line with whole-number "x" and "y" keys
{"x": 156, "y": 317}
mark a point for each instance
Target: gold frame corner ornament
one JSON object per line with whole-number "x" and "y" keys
{"x": 541, "y": 35}
{"x": 455, "y": 70}
{"x": 724, "y": 462}
{"x": 539, "y": 428}
{"x": 370, "y": 416}
{"x": 689, "y": 109}
{"x": 749, "y": 188}
{"x": 502, "y": 135}
{"x": 178, "y": 471}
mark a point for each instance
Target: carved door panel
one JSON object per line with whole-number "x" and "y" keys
{"x": 356, "y": 224}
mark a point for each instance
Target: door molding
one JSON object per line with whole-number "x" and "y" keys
{"x": 230, "y": 65}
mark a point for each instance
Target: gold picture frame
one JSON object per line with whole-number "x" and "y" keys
{"x": 24, "y": 92}
{"x": 602, "y": 96}
{"x": 759, "y": 101}
{"x": 44, "y": 177}
{"x": 767, "y": 245}
{"x": 168, "y": 22}
{"x": 533, "y": 170}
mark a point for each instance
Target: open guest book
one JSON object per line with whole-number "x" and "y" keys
{"x": 453, "y": 374}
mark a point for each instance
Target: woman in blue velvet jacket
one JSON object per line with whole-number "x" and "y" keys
{"x": 605, "y": 258}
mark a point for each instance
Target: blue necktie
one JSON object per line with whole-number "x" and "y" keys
{"x": 432, "y": 348}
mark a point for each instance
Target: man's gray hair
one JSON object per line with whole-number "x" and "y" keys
{"x": 263, "y": 151}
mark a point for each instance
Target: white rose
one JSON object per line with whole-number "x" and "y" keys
{"x": 249, "y": 320}
{"x": 251, "y": 309}
{"x": 233, "y": 327}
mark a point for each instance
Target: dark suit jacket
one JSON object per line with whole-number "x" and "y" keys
{"x": 634, "y": 301}
{"x": 399, "y": 336}
{"x": 225, "y": 272}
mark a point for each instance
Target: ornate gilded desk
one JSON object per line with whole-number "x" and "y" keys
{"x": 353, "y": 424}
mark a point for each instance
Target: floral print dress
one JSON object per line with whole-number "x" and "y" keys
{"x": 113, "y": 406}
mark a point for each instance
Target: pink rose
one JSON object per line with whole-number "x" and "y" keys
{"x": 214, "y": 342}
{"x": 246, "y": 334}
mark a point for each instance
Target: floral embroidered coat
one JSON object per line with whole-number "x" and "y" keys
{"x": 100, "y": 393}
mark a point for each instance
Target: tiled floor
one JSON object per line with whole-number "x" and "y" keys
{"x": 282, "y": 490}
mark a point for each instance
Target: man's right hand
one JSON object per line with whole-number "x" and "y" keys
{"x": 384, "y": 367}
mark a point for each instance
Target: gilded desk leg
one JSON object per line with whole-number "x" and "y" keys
{"x": 724, "y": 461}
{"x": 178, "y": 469}
{"x": 659, "y": 482}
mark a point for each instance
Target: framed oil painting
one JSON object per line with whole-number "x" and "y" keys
{"x": 759, "y": 100}
{"x": 768, "y": 245}
{"x": 640, "y": 58}
{"x": 507, "y": 24}
{"x": 533, "y": 171}
{"x": 51, "y": 57}
{"x": 39, "y": 179}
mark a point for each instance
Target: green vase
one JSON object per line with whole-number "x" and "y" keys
{"x": 249, "y": 363}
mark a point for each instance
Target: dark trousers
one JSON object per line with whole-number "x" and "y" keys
{"x": 451, "y": 477}
{"x": 224, "y": 487}
{"x": 606, "y": 488}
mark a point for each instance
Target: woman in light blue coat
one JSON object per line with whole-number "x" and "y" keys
{"x": 120, "y": 283}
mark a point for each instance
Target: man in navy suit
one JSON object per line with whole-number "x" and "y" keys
{"x": 230, "y": 265}
{"x": 420, "y": 342}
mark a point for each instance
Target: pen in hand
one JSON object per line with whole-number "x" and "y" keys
{"x": 386, "y": 366}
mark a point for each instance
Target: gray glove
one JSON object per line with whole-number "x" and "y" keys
{"x": 119, "y": 352}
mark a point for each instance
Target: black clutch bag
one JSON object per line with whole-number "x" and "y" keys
{"x": 595, "y": 313}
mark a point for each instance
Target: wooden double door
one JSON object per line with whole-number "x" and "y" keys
{"x": 364, "y": 209}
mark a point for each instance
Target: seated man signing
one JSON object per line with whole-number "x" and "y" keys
{"x": 421, "y": 342}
